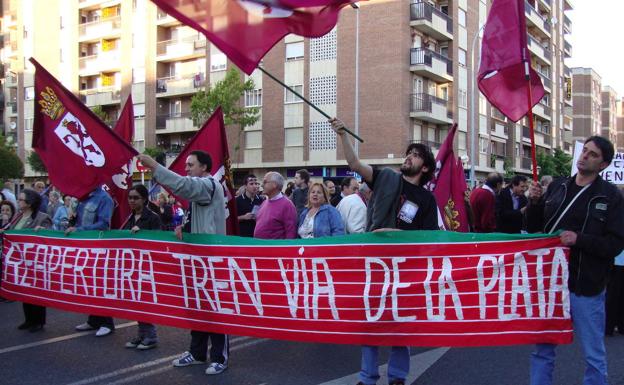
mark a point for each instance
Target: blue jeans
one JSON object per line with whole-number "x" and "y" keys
{"x": 398, "y": 364}
{"x": 147, "y": 332}
{"x": 588, "y": 317}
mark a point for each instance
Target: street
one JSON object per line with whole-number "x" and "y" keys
{"x": 60, "y": 355}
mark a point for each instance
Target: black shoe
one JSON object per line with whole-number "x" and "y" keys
{"x": 397, "y": 382}
{"x": 24, "y": 326}
{"x": 36, "y": 328}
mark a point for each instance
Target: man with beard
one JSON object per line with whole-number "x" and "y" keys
{"x": 399, "y": 202}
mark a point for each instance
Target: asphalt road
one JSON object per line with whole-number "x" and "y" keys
{"x": 59, "y": 355}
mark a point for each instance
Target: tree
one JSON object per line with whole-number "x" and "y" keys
{"x": 157, "y": 153}
{"x": 558, "y": 164}
{"x": 226, "y": 93}
{"x": 12, "y": 166}
{"x": 36, "y": 163}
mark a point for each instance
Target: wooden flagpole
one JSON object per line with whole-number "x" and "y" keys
{"x": 531, "y": 121}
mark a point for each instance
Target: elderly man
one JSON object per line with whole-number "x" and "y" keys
{"x": 352, "y": 209}
{"x": 205, "y": 216}
{"x": 277, "y": 216}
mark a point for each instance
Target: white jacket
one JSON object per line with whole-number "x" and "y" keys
{"x": 353, "y": 212}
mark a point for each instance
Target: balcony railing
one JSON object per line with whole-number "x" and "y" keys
{"x": 567, "y": 23}
{"x": 179, "y": 47}
{"x": 181, "y": 83}
{"x": 547, "y": 139}
{"x": 529, "y": 9}
{"x": 420, "y": 10}
{"x": 161, "y": 120}
{"x": 99, "y": 96}
{"x": 101, "y": 61}
{"x": 100, "y": 27}
{"x": 526, "y": 163}
{"x": 425, "y": 56}
{"x": 546, "y": 80}
{"x": 547, "y": 109}
{"x": 12, "y": 106}
{"x": 526, "y": 132}
{"x": 422, "y": 102}
{"x": 567, "y": 46}
{"x": 567, "y": 72}
{"x": 546, "y": 51}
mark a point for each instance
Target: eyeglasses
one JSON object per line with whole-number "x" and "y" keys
{"x": 134, "y": 197}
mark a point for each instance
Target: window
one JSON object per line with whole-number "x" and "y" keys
{"x": 218, "y": 62}
{"x": 463, "y": 98}
{"x": 253, "y": 98}
{"x": 175, "y": 108}
{"x": 29, "y": 93}
{"x": 461, "y": 17}
{"x": 483, "y": 145}
{"x": 139, "y": 110}
{"x": 28, "y": 124}
{"x": 482, "y": 105}
{"x": 461, "y": 57}
{"x": 138, "y": 75}
{"x": 289, "y": 97}
{"x": 294, "y": 51}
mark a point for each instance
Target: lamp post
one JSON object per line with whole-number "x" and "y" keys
{"x": 356, "y": 122}
{"x": 473, "y": 113}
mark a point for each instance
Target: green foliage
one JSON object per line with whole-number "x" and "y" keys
{"x": 157, "y": 153}
{"x": 36, "y": 163}
{"x": 99, "y": 112}
{"x": 12, "y": 166}
{"x": 226, "y": 93}
{"x": 508, "y": 167}
{"x": 558, "y": 164}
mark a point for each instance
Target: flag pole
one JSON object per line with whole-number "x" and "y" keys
{"x": 309, "y": 103}
{"x": 531, "y": 121}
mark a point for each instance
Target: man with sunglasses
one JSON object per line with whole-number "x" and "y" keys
{"x": 399, "y": 202}
{"x": 206, "y": 215}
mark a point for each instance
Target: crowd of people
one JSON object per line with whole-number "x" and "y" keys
{"x": 587, "y": 212}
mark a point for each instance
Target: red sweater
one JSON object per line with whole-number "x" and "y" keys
{"x": 483, "y": 204}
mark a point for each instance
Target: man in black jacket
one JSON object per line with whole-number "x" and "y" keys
{"x": 510, "y": 206}
{"x": 589, "y": 212}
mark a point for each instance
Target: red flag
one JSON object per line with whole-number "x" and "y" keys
{"x": 504, "y": 53}
{"x": 449, "y": 186}
{"x": 212, "y": 139}
{"x": 79, "y": 151}
{"x": 245, "y": 30}
{"x": 121, "y": 182}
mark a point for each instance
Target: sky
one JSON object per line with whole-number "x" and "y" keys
{"x": 597, "y": 32}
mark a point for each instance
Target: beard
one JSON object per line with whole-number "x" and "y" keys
{"x": 410, "y": 171}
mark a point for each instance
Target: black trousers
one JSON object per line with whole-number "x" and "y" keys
{"x": 219, "y": 348}
{"x": 615, "y": 301}
{"x": 97, "y": 322}
{"x": 34, "y": 314}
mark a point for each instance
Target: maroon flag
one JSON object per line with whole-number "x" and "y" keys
{"x": 212, "y": 139}
{"x": 504, "y": 54}
{"x": 78, "y": 149}
{"x": 121, "y": 182}
{"x": 449, "y": 187}
{"x": 245, "y": 30}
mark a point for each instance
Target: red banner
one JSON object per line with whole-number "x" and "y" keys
{"x": 403, "y": 288}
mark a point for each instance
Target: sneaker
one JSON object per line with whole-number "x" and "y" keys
{"x": 146, "y": 345}
{"x": 84, "y": 327}
{"x": 215, "y": 368}
{"x": 136, "y": 341}
{"x": 103, "y": 331}
{"x": 186, "y": 359}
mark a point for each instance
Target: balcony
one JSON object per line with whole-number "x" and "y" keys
{"x": 431, "y": 64}
{"x": 164, "y": 20}
{"x": 95, "y": 30}
{"x": 172, "y": 85}
{"x": 180, "y": 49}
{"x": 546, "y": 82}
{"x": 539, "y": 50}
{"x": 567, "y": 5}
{"x": 546, "y": 4}
{"x": 535, "y": 19}
{"x": 430, "y": 20}
{"x": 11, "y": 108}
{"x": 430, "y": 109}
{"x": 10, "y": 79}
{"x": 567, "y": 72}
{"x": 567, "y": 49}
{"x": 100, "y": 96}
{"x": 542, "y": 110}
{"x": 174, "y": 123}
{"x": 526, "y": 163}
{"x": 95, "y": 4}
{"x": 108, "y": 61}
{"x": 567, "y": 24}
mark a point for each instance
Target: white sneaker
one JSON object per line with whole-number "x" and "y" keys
{"x": 103, "y": 331}
{"x": 84, "y": 327}
{"x": 215, "y": 368}
{"x": 186, "y": 359}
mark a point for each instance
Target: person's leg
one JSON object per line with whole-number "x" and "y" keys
{"x": 369, "y": 373}
{"x": 147, "y": 332}
{"x": 199, "y": 345}
{"x": 612, "y": 306}
{"x": 588, "y": 316}
{"x": 619, "y": 313}
{"x": 219, "y": 348}
{"x": 398, "y": 363}
{"x": 542, "y": 364}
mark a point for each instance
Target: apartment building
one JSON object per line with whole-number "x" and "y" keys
{"x": 396, "y": 71}
{"x": 620, "y": 124}
{"x": 609, "y": 113}
{"x": 587, "y": 100}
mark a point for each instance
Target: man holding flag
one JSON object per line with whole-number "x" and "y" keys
{"x": 206, "y": 215}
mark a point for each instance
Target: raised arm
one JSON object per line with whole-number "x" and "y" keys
{"x": 352, "y": 159}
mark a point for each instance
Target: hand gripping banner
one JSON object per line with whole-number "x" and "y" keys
{"x": 425, "y": 288}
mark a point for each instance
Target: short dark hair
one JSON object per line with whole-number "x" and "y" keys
{"x": 345, "y": 182}
{"x": 605, "y": 146}
{"x": 517, "y": 179}
{"x": 428, "y": 161}
{"x": 142, "y": 191}
{"x": 493, "y": 179}
{"x": 33, "y": 200}
{"x": 303, "y": 174}
{"x": 203, "y": 158}
{"x": 248, "y": 177}
{"x": 10, "y": 204}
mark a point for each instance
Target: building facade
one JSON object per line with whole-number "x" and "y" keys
{"x": 608, "y": 117}
{"x": 619, "y": 111}
{"x": 395, "y": 71}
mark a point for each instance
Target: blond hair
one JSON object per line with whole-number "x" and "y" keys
{"x": 323, "y": 189}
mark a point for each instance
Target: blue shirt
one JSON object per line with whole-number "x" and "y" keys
{"x": 94, "y": 213}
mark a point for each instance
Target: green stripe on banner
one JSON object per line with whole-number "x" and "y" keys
{"x": 390, "y": 237}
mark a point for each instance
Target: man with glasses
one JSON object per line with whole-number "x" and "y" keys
{"x": 399, "y": 202}
{"x": 277, "y": 217}
{"x": 206, "y": 215}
